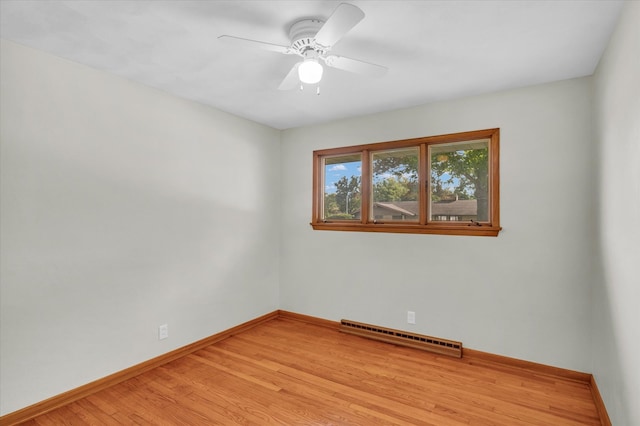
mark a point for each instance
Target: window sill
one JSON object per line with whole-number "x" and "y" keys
{"x": 457, "y": 229}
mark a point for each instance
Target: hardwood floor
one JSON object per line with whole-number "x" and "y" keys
{"x": 292, "y": 373}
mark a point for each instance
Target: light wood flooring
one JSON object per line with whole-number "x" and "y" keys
{"x": 287, "y": 372}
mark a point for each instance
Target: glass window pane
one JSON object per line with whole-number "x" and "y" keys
{"x": 459, "y": 181}
{"x": 342, "y": 187}
{"x": 395, "y": 185}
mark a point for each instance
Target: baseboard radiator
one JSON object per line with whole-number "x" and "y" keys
{"x": 403, "y": 338}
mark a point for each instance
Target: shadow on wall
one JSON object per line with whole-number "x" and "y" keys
{"x": 606, "y": 345}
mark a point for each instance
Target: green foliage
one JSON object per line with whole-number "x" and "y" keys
{"x": 395, "y": 189}
{"x": 395, "y": 176}
{"x": 339, "y": 216}
{"x": 347, "y": 194}
{"x": 440, "y": 192}
{"x": 400, "y": 166}
{"x": 330, "y": 205}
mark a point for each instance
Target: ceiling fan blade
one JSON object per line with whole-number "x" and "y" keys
{"x": 245, "y": 42}
{"x": 355, "y": 66}
{"x": 291, "y": 81}
{"x": 345, "y": 17}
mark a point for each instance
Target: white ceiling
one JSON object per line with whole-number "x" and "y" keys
{"x": 434, "y": 50}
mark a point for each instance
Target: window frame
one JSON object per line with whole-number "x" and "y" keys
{"x": 424, "y": 225}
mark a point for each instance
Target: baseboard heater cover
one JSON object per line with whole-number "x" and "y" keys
{"x": 403, "y": 338}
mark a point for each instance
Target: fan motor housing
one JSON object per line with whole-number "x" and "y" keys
{"x": 302, "y": 35}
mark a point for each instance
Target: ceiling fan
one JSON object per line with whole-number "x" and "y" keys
{"x": 312, "y": 39}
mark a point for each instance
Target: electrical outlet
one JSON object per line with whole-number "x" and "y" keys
{"x": 411, "y": 317}
{"x": 163, "y": 332}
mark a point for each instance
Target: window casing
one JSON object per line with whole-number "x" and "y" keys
{"x": 446, "y": 184}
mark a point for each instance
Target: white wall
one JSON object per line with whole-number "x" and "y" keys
{"x": 616, "y": 295}
{"x": 525, "y": 293}
{"x": 122, "y": 208}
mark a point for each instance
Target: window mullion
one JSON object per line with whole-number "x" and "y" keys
{"x": 423, "y": 176}
{"x": 494, "y": 167}
{"x": 318, "y": 202}
{"x": 366, "y": 188}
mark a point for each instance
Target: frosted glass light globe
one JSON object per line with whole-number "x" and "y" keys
{"x": 310, "y": 71}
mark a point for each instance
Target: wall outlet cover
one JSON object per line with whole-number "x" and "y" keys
{"x": 163, "y": 332}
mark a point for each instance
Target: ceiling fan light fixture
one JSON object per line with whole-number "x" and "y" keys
{"x": 310, "y": 71}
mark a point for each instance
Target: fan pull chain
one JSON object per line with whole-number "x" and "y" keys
{"x": 317, "y": 89}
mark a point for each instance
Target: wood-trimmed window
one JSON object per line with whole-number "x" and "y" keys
{"x": 447, "y": 184}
